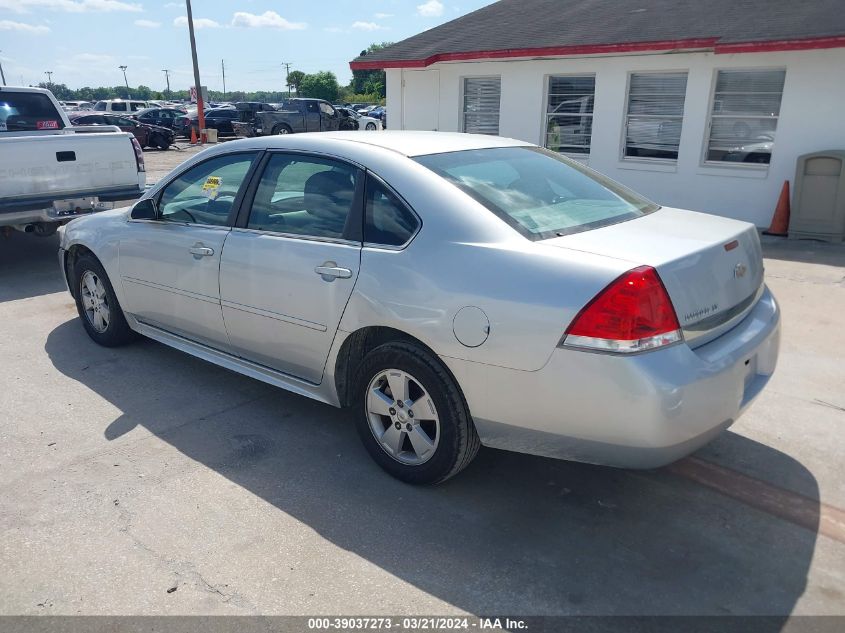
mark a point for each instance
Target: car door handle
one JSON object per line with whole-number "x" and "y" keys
{"x": 197, "y": 250}
{"x": 331, "y": 270}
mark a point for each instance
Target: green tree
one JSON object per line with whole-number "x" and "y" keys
{"x": 294, "y": 79}
{"x": 370, "y": 81}
{"x": 321, "y": 85}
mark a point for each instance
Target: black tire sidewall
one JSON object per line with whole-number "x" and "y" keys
{"x": 455, "y": 423}
{"x": 118, "y": 331}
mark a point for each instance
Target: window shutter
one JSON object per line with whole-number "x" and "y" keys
{"x": 569, "y": 113}
{"x": 746, "y": 107}
{"x": 655, "y": 115}
{"x": 482, "y": 96}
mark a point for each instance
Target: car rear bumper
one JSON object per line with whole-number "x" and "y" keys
{"x": 639, "y": 411}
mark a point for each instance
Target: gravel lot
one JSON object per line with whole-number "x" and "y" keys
{"x": 129, "y": 472}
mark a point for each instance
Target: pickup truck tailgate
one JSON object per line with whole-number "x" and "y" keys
{"x": 69, "y": 164}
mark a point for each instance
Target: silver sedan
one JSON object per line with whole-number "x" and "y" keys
{"x": 455, "y": 290}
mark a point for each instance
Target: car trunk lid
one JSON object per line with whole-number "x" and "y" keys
{"x": 712, "y": 267}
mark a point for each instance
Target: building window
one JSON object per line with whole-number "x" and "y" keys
{"x": 655, "y": 115}
{"x": 569, "y": 114}
{"x": 746, "y": 106}
{"x": 482, "y": 96}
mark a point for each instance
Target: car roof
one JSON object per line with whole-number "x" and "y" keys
{"x": 407, "y": 143}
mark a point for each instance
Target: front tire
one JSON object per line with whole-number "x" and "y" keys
{"x": 97, "y": 304}
{"x": 371, "y": 127}
{"x": 411, "y": 415}
{"x": 282, "y": 129}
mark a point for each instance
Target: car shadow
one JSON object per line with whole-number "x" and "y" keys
{"x": 29, "y": 266}
{"x": 513, "y": 534}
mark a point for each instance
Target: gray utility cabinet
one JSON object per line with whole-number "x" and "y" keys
{"x": 818, "y": 206}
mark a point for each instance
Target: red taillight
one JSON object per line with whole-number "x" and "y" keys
{"x": 139, "y": 154}
{"x": 634, "y": 313}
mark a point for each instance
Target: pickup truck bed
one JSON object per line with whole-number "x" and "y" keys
{"x": 49, "y": 176}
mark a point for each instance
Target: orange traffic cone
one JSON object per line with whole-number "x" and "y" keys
{"x": 193, "y": 135}
{"x": 780, "y": 220}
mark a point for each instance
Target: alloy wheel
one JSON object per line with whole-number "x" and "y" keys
{"x": 94, "y": 301}
{"x": 402, "y": 417}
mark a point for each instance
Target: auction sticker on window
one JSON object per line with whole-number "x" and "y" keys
{"x": 47, "y": 125}
{"x": 211, "y": 187}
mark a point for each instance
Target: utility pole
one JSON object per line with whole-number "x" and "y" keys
{"x": 287, "y": 73}
{"x": 223, "y": 66}
{"x": 2, "y": 75}
{"x": 126, "y": 81}
{"x": 49, "y": 74}
{"x": 200, "y": 113}
{"x": 166, "y": 72}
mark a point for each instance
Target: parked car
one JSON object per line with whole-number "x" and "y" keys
{"x": 376, "y": 113}
{"x": 121, "y": 106}
{"x": 454, "y": 289}
{"x": 219, "y": 119}
{"x": 351, "y": 120}
{"x": 298, "y": 115}
{"x": 50, "y": 172}
{"x": 165, "y": 117}
{"x": 70, "y": 106}
{"x": 147, "y": 135}
{"x": 244, "y": 126}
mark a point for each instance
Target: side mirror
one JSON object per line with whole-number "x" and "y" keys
{"x": 144, "y": 210}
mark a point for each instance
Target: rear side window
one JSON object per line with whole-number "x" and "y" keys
{"x": 28, "y": 112}
{"x": 386, "y": 220}
{"x": 538, "y": 192}
{"x": 118, "y": 107}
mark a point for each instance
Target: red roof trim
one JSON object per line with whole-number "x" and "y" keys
{"x": 597, "y": 49}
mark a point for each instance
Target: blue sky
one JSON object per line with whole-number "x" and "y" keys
{"x": 84, "y": 41}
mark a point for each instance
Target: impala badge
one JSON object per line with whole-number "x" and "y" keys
{"x": 740, "y": 270}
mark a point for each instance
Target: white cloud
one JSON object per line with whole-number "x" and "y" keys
{"x": 383, "y": 16}
{"x": 70, "y": 6}
{"x": 268, "y": 19}
{"x": 367, "y": 26}
{"x": 174, "y": 5}
{"x": 199, "y": 23}
{"x": 9, "y": 25}
{"x": 430, "y": 9}
{"x": 147, "y": 24}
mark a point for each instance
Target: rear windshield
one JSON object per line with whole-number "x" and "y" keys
{"x": 28, "y": 112}
{"x": 539, "y": 193}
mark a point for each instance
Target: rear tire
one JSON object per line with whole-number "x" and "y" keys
{"x": 97, "y": 304}
{"x": 429, "y": 446}
{"x": 282, "y": 129}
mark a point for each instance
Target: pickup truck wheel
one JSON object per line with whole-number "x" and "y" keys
{"x": 97, "y": 304}
{"x": 411, "y": 415}
{"x": 282, "y": 129}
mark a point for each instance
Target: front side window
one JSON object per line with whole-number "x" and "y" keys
{"x": 28, "y": 112}
{"x": 655, "y": 115}
{"x": 206, "y": 193}
{"x": 537, "y": 192}
{"x": 100, "y": 106}
{"x": 326, "y": 109}
{"x": 303, "y": 195}
{"x": 569, "y": 113}
{"x": 386, "y": 220}
{"x": 744, "y": 118}
{"x": 482, "y": 98}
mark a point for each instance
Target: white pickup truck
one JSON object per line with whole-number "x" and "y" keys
{"x": 51, "y": 172}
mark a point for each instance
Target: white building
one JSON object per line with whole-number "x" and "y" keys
{"x": 698, "y": 104}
